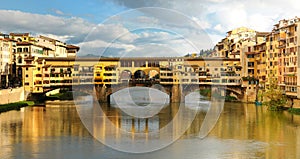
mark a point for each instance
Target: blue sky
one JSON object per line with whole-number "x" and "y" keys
{"x": 95, "y": 11}
{"x": 170, "y": 28}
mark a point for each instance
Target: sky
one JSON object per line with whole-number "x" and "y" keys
{"x": 142, "y": 28}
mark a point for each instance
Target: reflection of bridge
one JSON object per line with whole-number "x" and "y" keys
{"x": 111, "y": 74}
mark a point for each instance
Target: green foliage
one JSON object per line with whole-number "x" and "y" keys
{"x": 275, "y": 98}
{"x": 205, "y": 92}
{"x": 202, "y": 53}
{"x": 294, "y": 111}
{"x": 15, "y": 106}
{"x": 260, "y": 95}
{"x": 61, "y": 96}
{"x": 230, "y": 98}
{"x": 205, "y": 53}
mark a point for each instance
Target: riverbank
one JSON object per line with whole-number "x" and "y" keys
{"x": 294, "y": 111}
{"x": 15, "y": 106}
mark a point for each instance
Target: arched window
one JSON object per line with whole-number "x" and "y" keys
{"x": 20, "y": 72}
{"x": 19, "y": 59}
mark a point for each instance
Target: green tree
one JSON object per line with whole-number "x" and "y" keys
{"x": 275, "y": 99}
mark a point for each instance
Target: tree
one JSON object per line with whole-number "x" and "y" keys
{"x": 275, "y": 97}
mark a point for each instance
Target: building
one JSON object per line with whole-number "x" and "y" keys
{"x": 231, "y": 45}
{"x": 27, "y": 53}
{"x": 7, "y": 48}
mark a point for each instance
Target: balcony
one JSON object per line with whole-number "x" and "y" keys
{"x": 291, "y": 83}
{"x": 248, "y": 78}
{"x": 29, "y": 58}
{"x": 290, "y": 74}
{"x": 281, "y": 46}
{"x": 288, "y": 93}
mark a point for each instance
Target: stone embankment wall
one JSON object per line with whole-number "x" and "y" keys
{"x": 12, "y": 95}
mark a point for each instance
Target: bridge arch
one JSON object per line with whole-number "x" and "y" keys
{"x": 125, "y": 75}
{"x": 235, "y": 91}
{"x": 153, "y": 74}
{"x": 139, "y": 74}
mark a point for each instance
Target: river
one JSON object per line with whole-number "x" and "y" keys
{"x": 242, "y": 131}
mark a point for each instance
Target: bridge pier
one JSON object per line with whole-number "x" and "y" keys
{"x": 175, "y": 94}
{"x": 36, "y": 97}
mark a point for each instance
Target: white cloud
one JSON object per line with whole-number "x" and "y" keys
{"x": 58, "y": 37}
{"x": 260, "y": 15}
{"x": 146, "y": 44}
{"x": 58, "y": 12}
{"x": 202, "y": 23}
{"x": 47, "y": 24}
{"x": 219, "y": 28}
{"x": 177, "y": 31}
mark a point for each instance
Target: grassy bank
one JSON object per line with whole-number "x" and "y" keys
{"x": 15, "y": 106}
{"x": 294, "y": 110}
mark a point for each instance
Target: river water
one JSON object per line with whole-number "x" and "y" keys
{"x": 56, "y": 131}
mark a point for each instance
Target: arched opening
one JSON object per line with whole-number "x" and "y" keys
{"x": 139, "y": 74}
{"x": 153, "y": 74}
{"x": 125, "y": 75}
{"x": 19, "y": 59}
{"x": 109, "y": 99}
{"x": 20, "y": 72}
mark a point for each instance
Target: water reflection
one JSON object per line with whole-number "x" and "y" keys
{"x": 117, "y": 129}
{"x": 243, "y": 131}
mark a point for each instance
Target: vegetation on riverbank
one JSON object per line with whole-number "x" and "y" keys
{"x": 276, "y": 100}
{"x": 294, "y": 111}
{"x": 15, "y": 106}
{"x": 230, "y": 99}
{"x": 207, "y": 93}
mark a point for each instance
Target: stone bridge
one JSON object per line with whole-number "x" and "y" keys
{"x": 176, "y": 92}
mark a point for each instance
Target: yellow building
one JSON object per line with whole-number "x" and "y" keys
{"x": 285, "y": 37}
{"x": 231, "y": 45}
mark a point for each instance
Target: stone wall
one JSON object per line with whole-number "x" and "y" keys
{"x": 12, "y": 95}
{"x": 296, "y": 103}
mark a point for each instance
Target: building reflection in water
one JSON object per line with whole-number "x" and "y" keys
{"x": 116, "y": 128}
{"x": 33, "y": 130}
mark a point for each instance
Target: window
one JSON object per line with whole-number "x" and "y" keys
{"x": 26, "y": 75}
{"x": 27, "y": 84}
{"x": 20, "y": 59}
{"x": 25, "y": 49}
